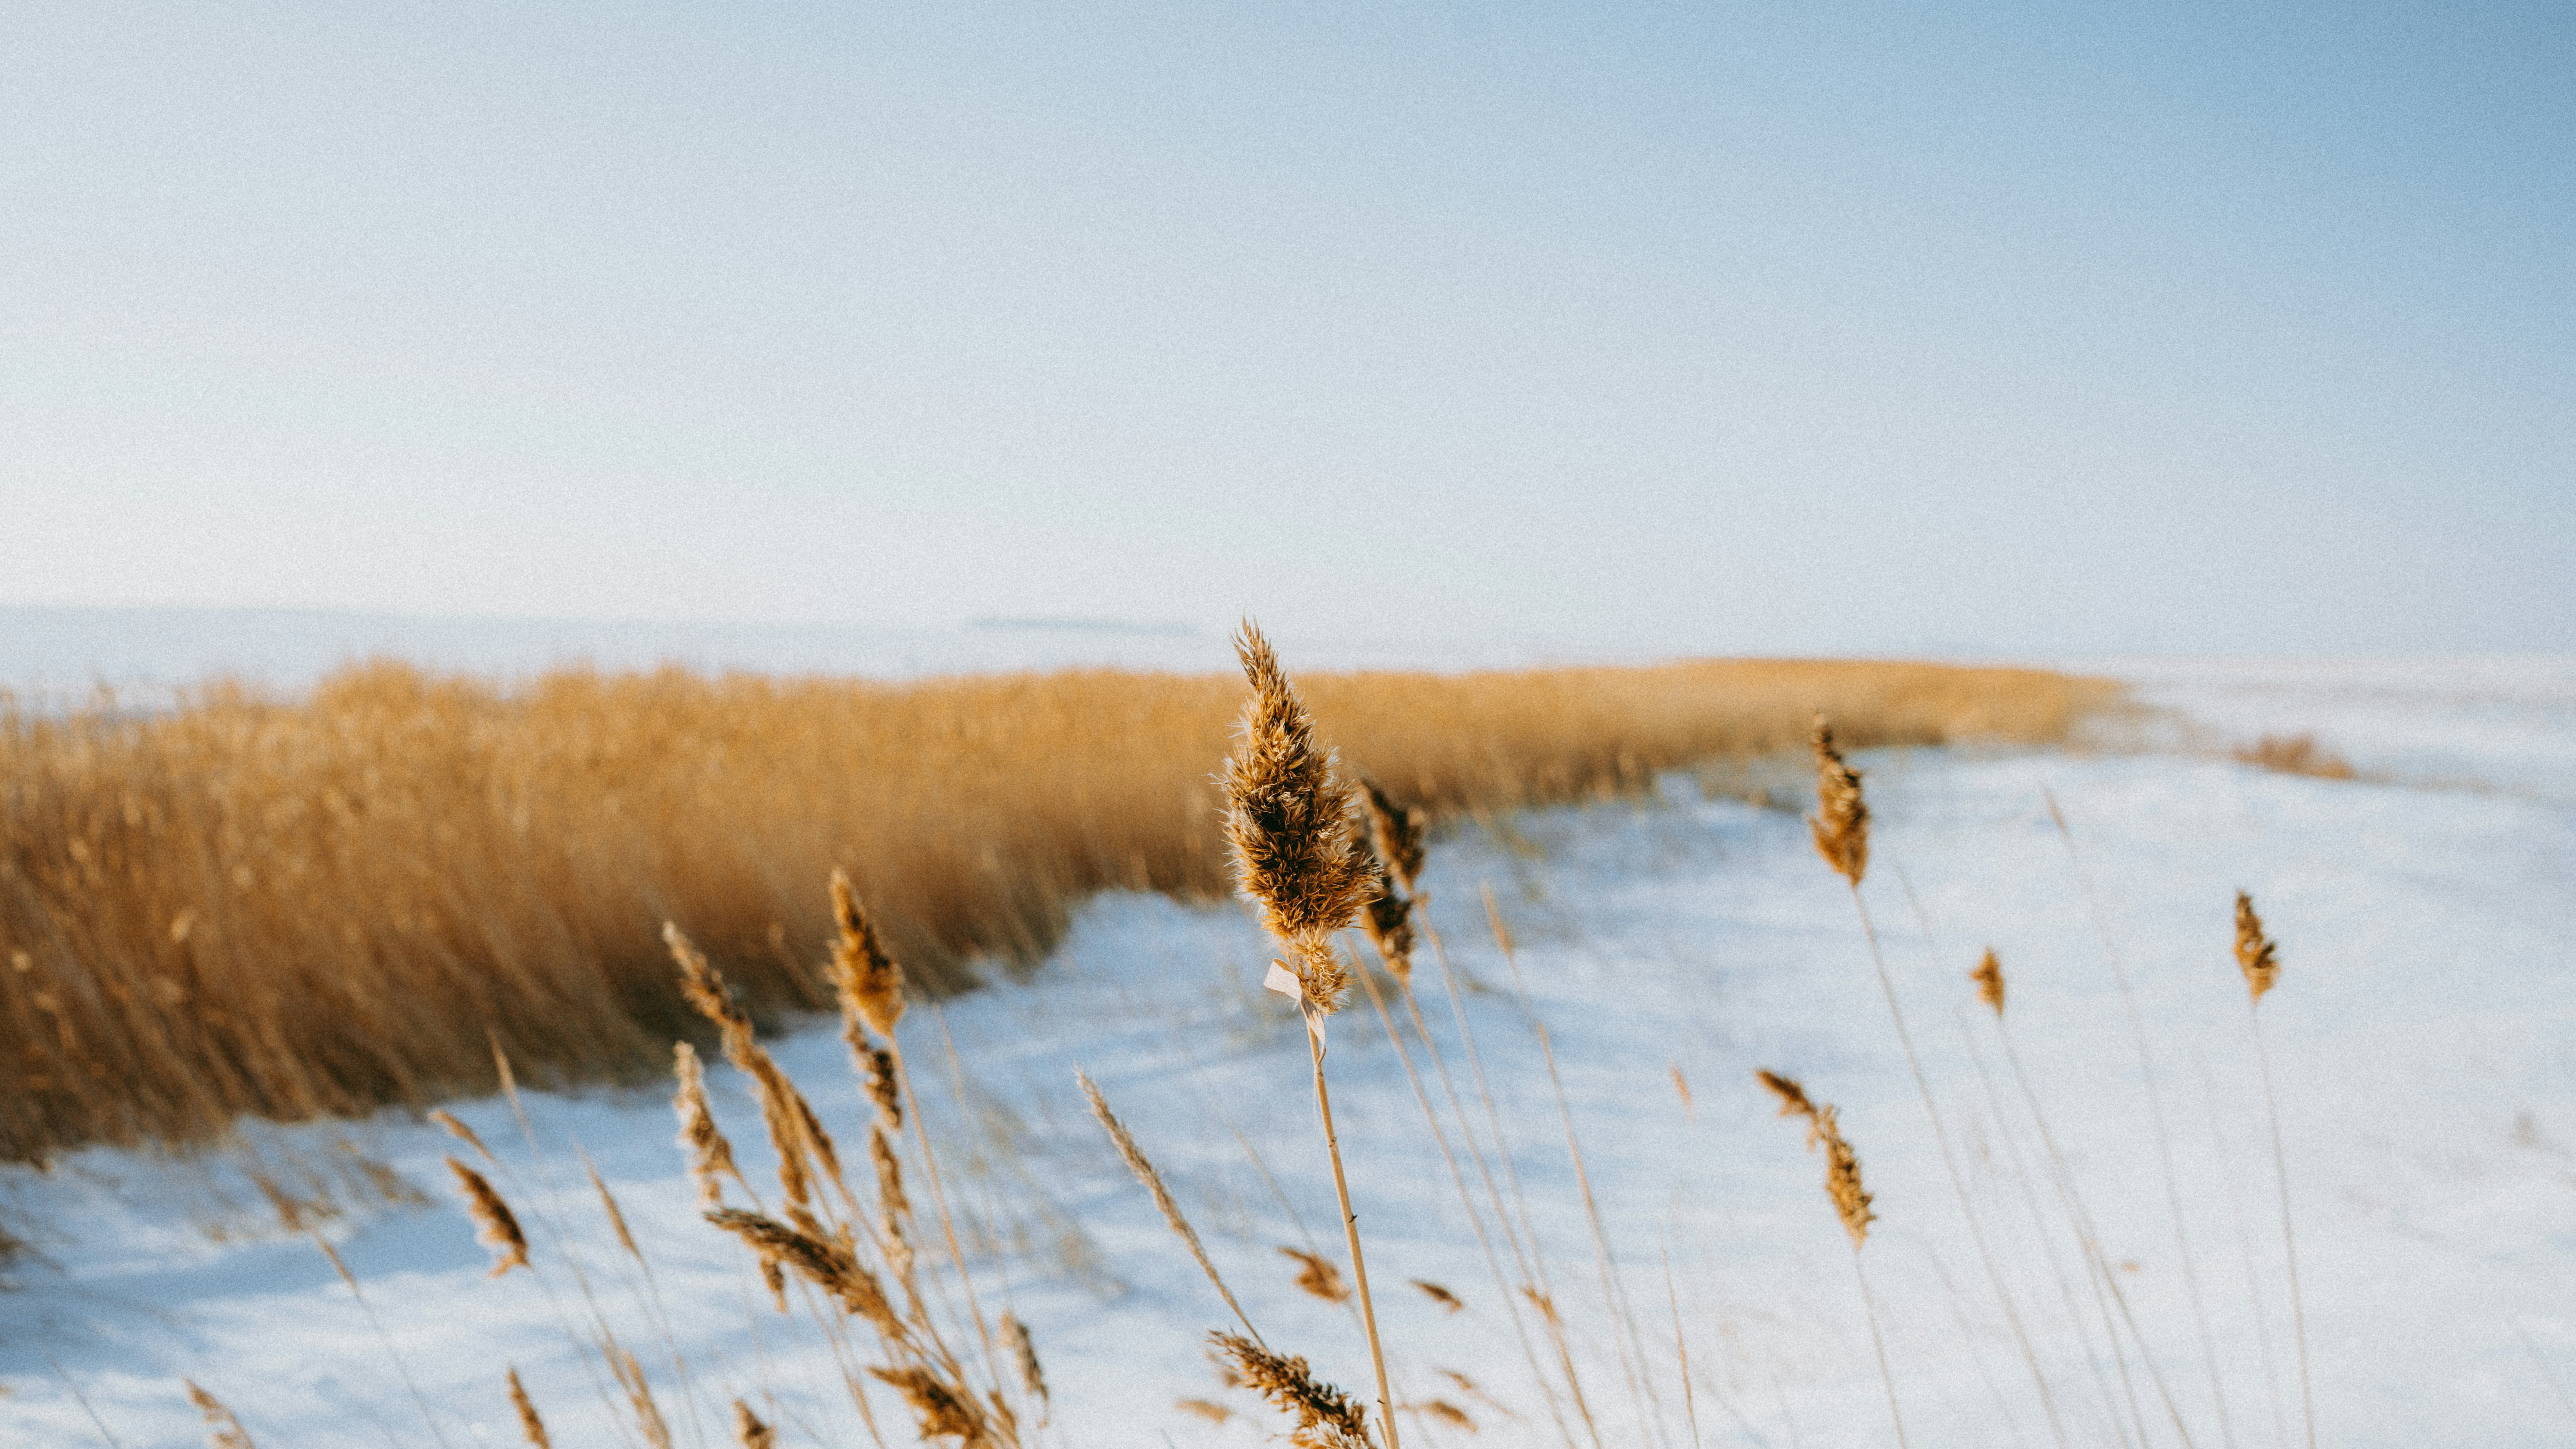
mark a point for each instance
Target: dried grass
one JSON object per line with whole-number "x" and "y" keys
{"x": 2298, "y": 754}
{"x": 293, "y": 909}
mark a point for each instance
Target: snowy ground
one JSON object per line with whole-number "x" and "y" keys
{"x": 2423, "y": 1041}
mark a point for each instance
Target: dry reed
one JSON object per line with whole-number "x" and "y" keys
{"x": 2259, "y": 959}
{"x": 1327, "y": 1418}
{"x": 749, "y": 1431}
{"x": 223, "y": 1431}
{"x": 1318, "y": 1276}
{"x": 1447, "y": 1300}
{"x": 1297, "y": 856}
{"x": 532, "y": 1426}
{"x": 1138, "y": 1164}
{"x": 496, "y": 1226}
{"x": 297, "y": 908}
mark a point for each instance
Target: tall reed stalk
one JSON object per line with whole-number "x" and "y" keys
{"x": 2259, "y": 959}
{"x": 1297, "y": 855}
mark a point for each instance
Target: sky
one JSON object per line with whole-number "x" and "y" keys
{"x": 1719, "y": 328}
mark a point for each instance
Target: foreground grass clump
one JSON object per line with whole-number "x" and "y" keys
{"x": 322, "y": 906}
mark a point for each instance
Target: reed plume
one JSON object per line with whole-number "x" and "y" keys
{"x": 710, "y": 1154}
{"x": 1397, "y": 832}
{"x": 532, "y": 1426}
{"x": 496, "y": 1227}
{"x": 794, "y": 1131}
{"x": 1024, "y": 1350}
{"x": 1447, "y": 1300}
{"x": 1327, "y": 1418}
{"x": 749, "y": 1432}
{"x": 828, "y": 1261}
{"x": 223, "y": 1431}
{"x": 1389, "y": 918}
{"x": 1842, "y": 1178}
{"x": 2255, "y": 954}
{"x": 1289, "y": 827}
{"x": 890, "y": 1198}
{"x": 867, "y": 981}
{"x": 1793, "y": 1097}
{"x": 639, "y": 1395}
{"x": 1317, "y": 1275}
{"x": 1841, "y": 822}
{"x": 1134, "y": 1157}
{"x": 457, "y": 1129}
{"x": 943, "y": 1410}
{"x": 1989, "y": 977}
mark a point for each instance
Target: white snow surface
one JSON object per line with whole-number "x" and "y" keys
{"x": 2422, "y": 1042}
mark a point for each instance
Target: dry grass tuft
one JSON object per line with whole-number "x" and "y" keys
{"x": 313, "y": 907}
{"x": 496, "y": 1227}
{"x": 2298, "y": 754}
{"x": 2255, "y": 954}
{"x": 1327, "y": 1418}
{"x": 1989, "y": 977}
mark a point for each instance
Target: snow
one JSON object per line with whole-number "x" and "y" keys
{"x": 2422, "y": 1042}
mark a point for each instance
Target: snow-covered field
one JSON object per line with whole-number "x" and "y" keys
{"x": 2422, "y": 1039}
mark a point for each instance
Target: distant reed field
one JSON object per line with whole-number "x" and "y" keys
{"x": 295, "y": 908}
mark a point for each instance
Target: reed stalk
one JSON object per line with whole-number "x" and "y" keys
{"x": 2259, "y": 959}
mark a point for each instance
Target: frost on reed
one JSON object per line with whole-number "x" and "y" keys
{"x": 1841, "y": 822}
{"x": 1327, "y": 1418}
{"x": 497, "y": 1228}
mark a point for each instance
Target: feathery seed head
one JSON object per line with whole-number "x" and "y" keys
{"x": 1389, "y": 917}
{"x": 1287, "y": 820}
{"x": 889, "y": 1174}
{"x": 1842, "y": 1178}
{"x": 1793, "y": 1098}
{"x": 497, "y": 1228}
{"x": 749, "y": 1431}
{"x": 824, "y": 1260}
{"x": 710, "y": 1154}
{"x": 1327, "y": 1418}
{"x": 1989, "y": 977}
{"x": 867, "y": 980}
{"x": 531, "y": 1427}
{"x": 223, "y": 1431}
{"x": 945, "y": 1410}
{"x": 2255, "y": 954}
{"x": 1318, "y": 1275}
{"x": 1398, "y": 834}
{"x": 1024, "y": 1351}
{"x": 1437, "y": 1294}
{"x": 1841, "y": 822}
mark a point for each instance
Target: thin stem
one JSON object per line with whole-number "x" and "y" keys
{"x": 1351, "y": 1233}
{"x": 2155, "y": 1112}
{"x": 2289, "y": 1244}
{"x": 1958, "y": 1180}
{"x": 1869, "y": 1309}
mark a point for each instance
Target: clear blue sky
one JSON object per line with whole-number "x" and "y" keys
{"x": 1711, "y": 327}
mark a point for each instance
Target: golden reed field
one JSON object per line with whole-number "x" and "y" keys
{"x": 295, "y": 908}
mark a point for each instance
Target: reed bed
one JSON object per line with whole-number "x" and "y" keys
{"x": 292, "y": 908}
